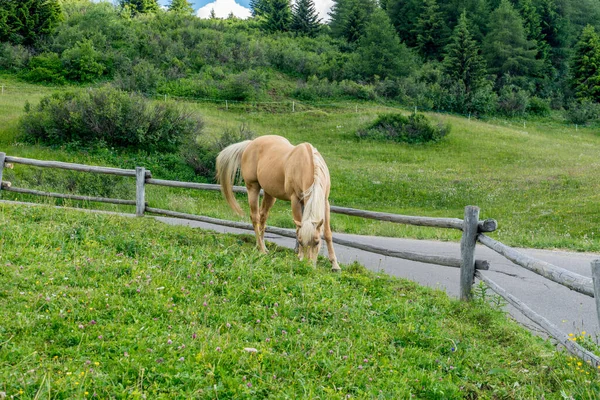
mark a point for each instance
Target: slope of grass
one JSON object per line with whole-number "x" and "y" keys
{"x": 539, "y": 180}
{"x": 113, "y": 307}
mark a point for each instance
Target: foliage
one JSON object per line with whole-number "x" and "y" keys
{"x": 506, "y": 47}
{"x": 582, "y": 112}
{"x": 512, "y": 101}
{"x": 305, "y": 19}
{"x": 139, "y": 6}
{"x": 181, "y": 6}
{"x": 108, "y": 117}
{"x": 125, "y": 307}
{"x": 277, "y": 16}
{"x": 431, "y": 31}
{"x": 27, "y": 22}
{"x": 45, "y": 68}
{"x": 539, "y": 107}
{"x": 349, "y": 18}
{"x": 82, "y": 62}
{"x": 201, "y": 152}
{"x": 379, "y": 51}
{"x": 586, "y": 65}
{"x": 414, "y": 129}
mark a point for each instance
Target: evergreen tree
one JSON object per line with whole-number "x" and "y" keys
{"x": 27, "y": 21}
{"x": 278, "y": 16}
{"x": 506, "y": 47}
{"x": 140, "y": 6}
{"x": 431, "y": 31}
{"x": 585, "y": 68}
{"x": 379, "y": 52}
{"x": 181, "y": 6}
{"x": 404, "y": 15}
{"x": 305, "y": 19}
{"x": 533, "y": 30}
{"x": 350, "y": 17}
{"x": 212, "y": 14}
{"x": 463, "y": 61}
{"x": 259, "y": 7}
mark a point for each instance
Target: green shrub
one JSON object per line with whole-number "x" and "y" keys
{"x": 538, "y": 106}
{"x": 82, "y": 62}
{"x": 413, "y": 129}
{"x": 582, "y": 112}
{"x": 108, "y": 117}
{"x": 512, "y": 101}
{"x": 45, "y": 68}
{"x": 13, "y": 57}
{"x": 200, "y": 152}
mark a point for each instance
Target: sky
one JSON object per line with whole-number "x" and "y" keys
{"x": 224, "y": 7}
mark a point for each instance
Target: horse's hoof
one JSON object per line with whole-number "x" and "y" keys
{"x": 336, "y": 269}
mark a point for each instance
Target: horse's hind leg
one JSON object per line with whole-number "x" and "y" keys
{"x": 253, "y": 197}
{"x": 267, "y": 203}
{"x": 329, "y": 240}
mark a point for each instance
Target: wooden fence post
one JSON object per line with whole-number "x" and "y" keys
{"x": 2, "y": 158}
{"x": 596, "y": 279}
{"x": 467, "y": 251}
{"x": 140, "y": 191}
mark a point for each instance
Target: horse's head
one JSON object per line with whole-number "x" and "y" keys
{"x": 308, "y": 234}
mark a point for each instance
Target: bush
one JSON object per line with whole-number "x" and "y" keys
{"x": 513, "y": 101}
{"x": 413, "y": 129}
{"x": 538, "y": 106}
{"x": 582, "y": 112}
{"x": 108, "y": 117}
{"x": 82, "y": 62}
{"x": 201, "y": 153}
{"x": 45, "y": 68}
{"x": 13, "y": 58}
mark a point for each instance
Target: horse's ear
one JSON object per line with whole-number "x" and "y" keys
{"x": 298, "y": 224}
{"x": 318, "y": 224}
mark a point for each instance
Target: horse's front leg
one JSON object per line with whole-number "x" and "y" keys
{"x": 253, "y": 198}
{"x": 297, "y": 210}
{"x": 329, "y": 240}
{"x": 267, "y": 203}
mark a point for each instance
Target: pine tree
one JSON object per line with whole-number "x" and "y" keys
{"x": 533, "y": 30}
{"x": 140, "y": 6}
{"x": 212, "y": 14}
{"x": 259, "y": 7}
{"x": 506, "y": 47}
{"x": 463, "y": 61}
{"x": 181, "y": 6}
{"x": 404, "y": 15}
{"x": 349, "y": 18}
{"x": 28, "y": 21}
{"x": 479, "y": 12}
{"x": 585, "y": 67}
{"x": 305, "y": 19}
{"x": 431, "y": 31}
{"x": 379, "y": 52}
{"x": 278, "y": 16}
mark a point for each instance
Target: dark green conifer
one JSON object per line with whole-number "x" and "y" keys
{"x": 431, "y": 31}
{"x": 181, "y": 6}
{"x": 305, "y": 19}
{"x": 585, "y": 66}
{"x": 463, "y": 61}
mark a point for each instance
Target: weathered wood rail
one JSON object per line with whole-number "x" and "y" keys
{"x": 472, "y": 229}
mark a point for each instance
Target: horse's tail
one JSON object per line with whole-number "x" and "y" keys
{"x": 229, "y": 162}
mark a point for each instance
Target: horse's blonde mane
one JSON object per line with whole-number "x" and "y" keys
{"x": 314, "y": 206}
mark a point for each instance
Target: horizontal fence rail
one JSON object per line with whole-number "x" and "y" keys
{"x": 69, "y": 196}
{"x": 562, "y": 338}
{"x": 471, "y": 227}
{"x": 556, "y": 274}
{"x": 74, "y": 167}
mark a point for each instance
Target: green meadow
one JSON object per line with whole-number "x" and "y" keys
{"x": 100, "y": 306}
{"x": 537, "y": 178}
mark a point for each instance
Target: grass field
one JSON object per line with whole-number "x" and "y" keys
{"x": 98, "y": 306}
{"x": 539, "y": 180}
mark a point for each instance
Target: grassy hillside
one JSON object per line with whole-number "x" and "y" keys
{"x": 538, "y": 178}
{"x": 98, "y": 305}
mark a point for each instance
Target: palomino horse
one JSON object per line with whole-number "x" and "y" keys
{"x": 286, "y": 172}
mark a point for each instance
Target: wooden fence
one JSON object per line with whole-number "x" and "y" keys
{"x": 472, "y": 229}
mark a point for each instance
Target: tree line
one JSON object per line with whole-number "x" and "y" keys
{"x": 469, "y": 56}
